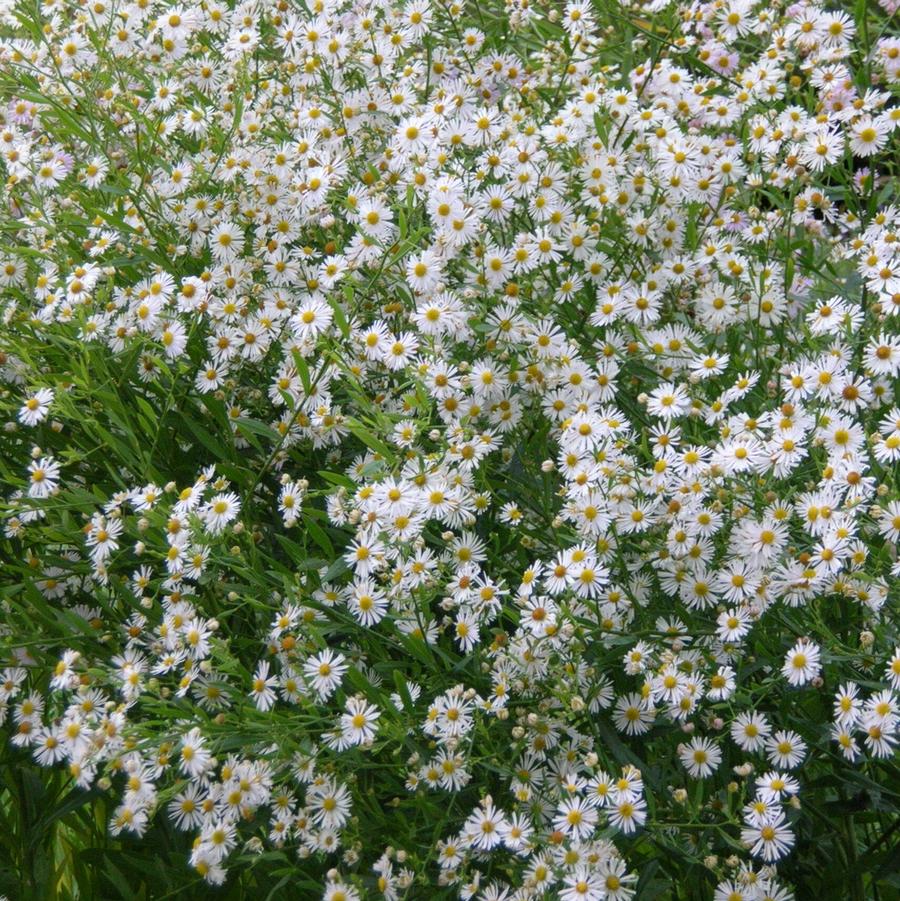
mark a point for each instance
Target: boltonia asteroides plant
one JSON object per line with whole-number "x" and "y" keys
{"x": 450, "y": 450}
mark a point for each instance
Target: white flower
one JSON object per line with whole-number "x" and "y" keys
{"x": 583, "y": 885}
{"x": 801, "y": 663}
{"x": 869, "y": 135}
{"x": 700, "y": 757}
{"x": 36, "y": 407}
{"x": 367, "y": 602}
{"x": 358, "y": 723}
{"x": 221, "y": 510}
{"x": 577, "y": 818}
{"x": 750, "y": 731}
{"x": 226, "y": 241}
{"x": 785, "y": 749}
{"x": 102, "y": 537}
{"x": 423, "y": 272}
{"x": 194, "y": 757}
{"x": 668, "y": 401}
{"x": 263, "y": 687}
{"x": 43, "y": 477}
{"x": 771, "y": 840}
{"x": 627, "y": 815}
{"x": 484, "y": 827}
{"x": 325, "y": 671}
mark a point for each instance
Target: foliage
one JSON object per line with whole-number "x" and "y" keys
{"x": 450, "y": 450}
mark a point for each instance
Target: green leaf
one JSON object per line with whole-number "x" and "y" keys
{"x": 339, "y": 316}
{"x": 303, "y": 372}
{"x": 337, "y": 478}
{"x": 368, "y": 438}
{"x": 318, "y": 535}
{"x": 256, "y": 427}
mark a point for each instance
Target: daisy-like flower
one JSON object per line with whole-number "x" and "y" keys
{"x": 882, "y": 355}
{"x": 880, "y": 734}
{"x": 102, "y": 537}
{"x": 364, "y": 556}
{"x": 400, "y": 350}
{"x": 785, "y": 749}
{"x": 802, "y": 663}
{"x": 358, "y": 723}
{"x": 325, "y": 671}
{"x": 43, "y": 477}
{"x": 733, "y": 890}
{"x": 194, "y": 757}
{"x": 47, "y": 746}
{"x": 722, "y": 684}
{"x": 484, "y": 828}
{"x": 583, "y": 885}
{"x": 847, "y": 705}
{"x": 423, "y": 272}
{"x": 340, "y": 891}
{"x": 632, "y": 716}
{"x": 869, "y": 135}
{"x": 577, "y": 818}
{"x": 776, "y": 785}
{"x": 221, "y": 510}
{"x": 186, "y": 808}
{"x": 375, "y": 217}
{"x": 226, "y": 241}
{"x": 263, "y": 687}
{"x": 771, "y": 840}
{"x": 701, "y": 758}
{"x": 733, "y": 625}
{"x": 312, "y": 318}
{"x": 668, "y": 401}
{"x": 49, "y": 174}
{"x": 466, "y": 630}
{"x": 627, "y": 815}
{"x": 367, "y": 603}
{"x": 892, "y": 670}
{"x": 822, "y": 148}
{"x": 846, "y": 742}
{"x": 197, "y": 633}
{"x": 331, "y": 804}
{"x": 36, "y": 407}
{"x": 618, "y": 883}
{"x": 290, "y": 501}
{"x": 760, "y": 810}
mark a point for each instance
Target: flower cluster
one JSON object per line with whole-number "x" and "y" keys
{"x": 538, "y": 363}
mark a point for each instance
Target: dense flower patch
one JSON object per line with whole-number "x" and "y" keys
{"x": 451, "y": 450}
